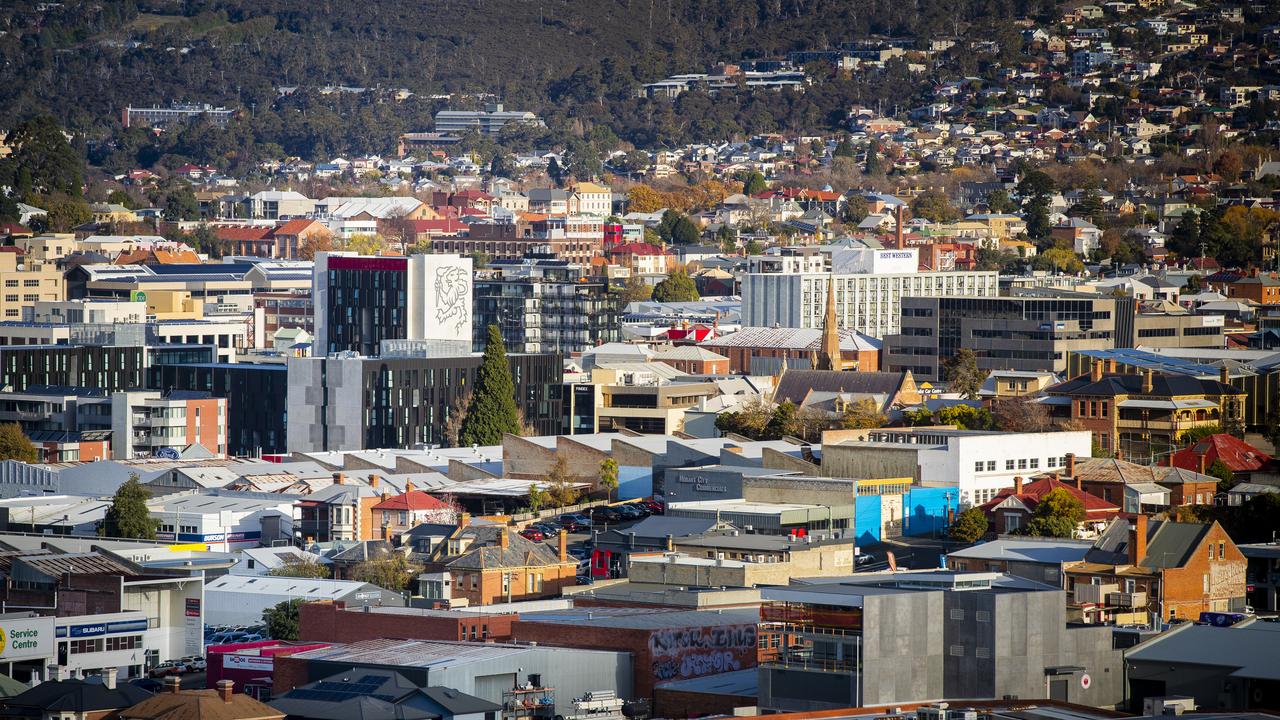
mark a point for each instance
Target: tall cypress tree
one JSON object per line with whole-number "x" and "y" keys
{"x": 493, "y": 403}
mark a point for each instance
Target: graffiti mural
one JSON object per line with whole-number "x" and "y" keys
{"x": 453, "y": 285}
{"x": 694, "y": 652}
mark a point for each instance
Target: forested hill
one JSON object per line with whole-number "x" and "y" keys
{"x": 83, "y": 60}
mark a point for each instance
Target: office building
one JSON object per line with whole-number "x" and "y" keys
{"x": 105, "y": 367}
{"x": 868, "y": 303}
{"x": 26, "y": 283}
{"x": 488, "y": 121}
{"x": 401, "y": 400}
{"x": 361, "y": 301}
{"x": 256, "y": 397}
{"x": 543, "y": 304}
{"x": 883, "y": 639}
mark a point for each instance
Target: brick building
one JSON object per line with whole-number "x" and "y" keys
{"x": 1173, "y": 570}
{"x": 488, "y": 564}
{"x": 693, "y": 360}
{"x": 1010, "y": 510}
{"x": 665, "y": 645}
{"x": 798, "y": 347}
{"x": 334, "y": 623}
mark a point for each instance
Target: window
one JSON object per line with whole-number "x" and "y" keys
{"x": 957, "y": 651}
{"x": 1103, "y": 407}
{"x": 991, "y": 465}
{"x": 1022, "y": 463}
{"x": 1035, "y": 463}
{"x": 1211, "y": 556}
{"x": 1206, "y": 583}
{"x": 1222, "y": 550}
{"x": 977, "y": 467}
{"x": 957, "y": 613}
{"x": 1008, "y": 464}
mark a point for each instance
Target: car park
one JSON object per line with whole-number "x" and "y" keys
{"x": 165, "y": 669}
{"x": 533, "y": 534}
{"x": 193, "y": 663}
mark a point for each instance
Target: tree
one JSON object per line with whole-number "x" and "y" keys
{"x": 559, "y": 485}
{"x": 644, "y": 199}
{"x": 1021, "y": 414}
{"x": 962, "y": 374}
{"x": 281, "y": 620}
{"x": 128, "y": 516}
{"x": 864, "y": 414}
{"x": 677, "y": 287}
{"x": 65, "y": 212}
{"x": 684, "y": 232}
{"x": 180, "y": 203}
{"x": 42, "y": 162}
{"x": 998, "y": 201}
{"x": 635, "y": 290}
{"x": 934, "y": 206}
{"x": 301, "y": 566}
{"x": 844, "y": 148}
{"x": 392, "y": 572}
{"x": 313, "y": 244}
{"x": 1059, "y": 258}
{"x": 874, "y": 165}
{"x": 364, "y": 244}
{"x": 965, "y": 417}
{"x": 784, "y": 423}
{"x": 1056, "y": 515}
{"x": 914, "y": 418}
{"x": 609, "y": 476}
{"x": 970, "y": 525}
{"x": 120, "y": 197}
{"x": 754, "y": 184}
{"x": 555, "y": 172}
{"x": 492, "y": 412}
{"x": 749, "y": 420}
{"x": 14, "y": 444}
{"x": 538, "y": 497}
{"x": 1271, "y": 430}
{"x": 1196, "y": 434}
{"x": 1226, "y": 478}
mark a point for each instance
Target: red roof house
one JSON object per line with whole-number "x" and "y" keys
{"x": 1238, "y": 455}
{"x": 1011, "y": 508}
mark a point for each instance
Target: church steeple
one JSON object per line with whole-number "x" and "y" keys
{"x": 829, "y": 357}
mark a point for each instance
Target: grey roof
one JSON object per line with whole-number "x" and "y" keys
{"x": 643, "y": 618}
{"x": 660, "y": 526}
{"x": 1250, "y": 647}
{"x": 357, "y": 693}
{"x": 78, "y": 696}
{"x": 795, "y": 385}
{"x": 739, "y": 683}
{"x": 486, "y": 553}
{"x": 1172, "y": 543}
{"x": 1051, "y": 552}
{"x": 459, "y": 703}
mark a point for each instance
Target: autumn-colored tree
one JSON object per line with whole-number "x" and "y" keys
{"x": 864, "y": 414}
{"x": 1021, "y": 414}
{"x": 644, "y": 199}
{"x": 313, "y": 244}
{"x": 362, "y": 244}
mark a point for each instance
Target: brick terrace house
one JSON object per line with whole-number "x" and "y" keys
{"x": 1170, "y": 569}
{"x": 1011, "y": 509}
{"x": 487, "y": 564}
{"x": 1139, "y": 416}
{"x": 400, "y": 513}
{"x": 1262, "y": 288}
{"x": 1112, "y": 479}
{"x": 693, "y": 360}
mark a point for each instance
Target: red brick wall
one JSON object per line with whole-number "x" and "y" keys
{"x": 1184, "y": 588}
{"x": 326, "y": 622}
{"x": 288, "y": 673}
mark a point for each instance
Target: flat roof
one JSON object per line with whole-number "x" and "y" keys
{"x": 1047, "y": 552}
{"x": 644, "y": 618}
{"x": 427, "y": 653}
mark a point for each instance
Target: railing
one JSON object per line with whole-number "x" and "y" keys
{"x": 1095, "y": 594}
{"x": 1127, "y": 599}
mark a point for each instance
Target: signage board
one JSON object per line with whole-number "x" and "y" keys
{"x": 26, "y": 638}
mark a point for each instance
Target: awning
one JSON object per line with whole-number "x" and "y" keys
{"x": 1146, "y": 404}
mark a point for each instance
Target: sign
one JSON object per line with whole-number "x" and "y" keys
{"x": 193, "y": 607}
{"x": 368, "y": 595}
{"x": 26, "y": 638}
{"x": 1213, "y": 321}
{"x": 138, "y": 296}
{"x": 1085, "y": 681}
{"x": 96, "y": 629}
{"x": 248, "y": 662}
{"x": 168, "y": 453}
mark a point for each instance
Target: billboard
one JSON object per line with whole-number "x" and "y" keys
{"x": 26, "y": 638}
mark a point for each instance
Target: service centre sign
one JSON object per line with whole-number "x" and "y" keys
{"x": 26, "y": 638}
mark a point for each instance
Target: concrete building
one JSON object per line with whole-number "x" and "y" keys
{"x": 222, "y": 520}
{"x": 488, "y": 121}
{"x": 26, "y": 283}
{"x": 867, "y": 303}
{"x": 158, "y": 117}
{"x": 542, "y": 304}
{"x": 334, "y": 622}
{"x": 977, "y": 464}
{"x": 486, "y": 670}
{"x": 1221, "y": 668}
{"x": 240, "y": 599}
{"x": 361, "y": 301}
{"x": 331, "y": 404}
{"x": 1038, "y": 559}
{"x": 151, "y": 424}
{"x": 883, "y": 639}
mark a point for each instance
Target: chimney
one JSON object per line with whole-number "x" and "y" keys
{"x": 1080, "y": 483}
{"x": 225, "y": 688}
{"x": 339, "y": 479}
{"x": 1112, "y": 366}
{"x": 504, "y": 538}
{"x": 1071, "y": 464}
{"x": 1200, "y": 458}
{"x": 1017, "y": 485}
{"x": 373, "y": 481}
{"x": 899, "y": 238}
{"x": 1095, "y": 371}
{"x": 564, "y": 545}
{"x": 1224, "y": 376}
{"x": 1146, "y": 380}
{"x": 671, "y": 544}
{"x": 172, "y": 684}
{"x": 1138, "y": 539}
{"x": 464, "y": 519}
{"x": 109, "y": 677}
{"x": 408, "y": 486}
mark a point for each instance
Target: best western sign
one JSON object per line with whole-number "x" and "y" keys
{"x": 26, "y": 638}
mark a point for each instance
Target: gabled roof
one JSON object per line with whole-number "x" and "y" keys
{"x": 1237, "y": 454}
{"x": 200, "y": 705}
{"x": 1131, "y": 384}
{"x": 486, "y": 554}
{"x": 459, "y": 703}
{"x": 796, "y": 385}
{"x": 77, "y": 696}
{"x": 414, "y": 500}
{"x": 1095, "y": 508}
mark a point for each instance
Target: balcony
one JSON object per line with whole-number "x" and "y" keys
{"x": 1135, "y": 599}
{"x": 1095, "y": 594}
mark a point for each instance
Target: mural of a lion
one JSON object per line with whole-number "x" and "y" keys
{"x": 452, "y": 290}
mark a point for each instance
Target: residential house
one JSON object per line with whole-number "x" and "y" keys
{"x": 398, "y": 514}
{"x": 173, "y": 703}
{"x": 487, "y": 564}
{"x": 1011, "y": 510}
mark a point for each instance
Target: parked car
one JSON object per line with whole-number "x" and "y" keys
{"x": 605, "y": 515}
{"x": 656, "y": 507}
{"x": 547, "y": 529}
{"x": 165, "y": 669}
{"x": 193, "y": 663}
{"x": 148, "y": 684}
{"x": 533, "y": 534}
{"x": 574, "y": 522}
{"x": 630, "y": 511}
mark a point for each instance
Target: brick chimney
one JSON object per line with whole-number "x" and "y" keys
{"x": 1200, "y": 462}
{"x": 563, "y": 541}
{"x": 504, "y": 538}
{"x": 1017, "y": 485}
{"x": 1224, "y": 376}
{"x": 1111, "y": 366}
{"x": 339, "y": 479}
{"x": 464, "y": 519}
{"x": 1080, "y": 483}
{"x": 225, "y": 689}
{"x": 408, "y": 486}
{"x": 172, "y": 684}
{"x": 373, "y": 481}
{"x": 900, "y": 231}
{"x": 1138, "y": 539}
{"x": 1071, "y": 464}
{"x": 1147, "y": 378}
{"x": 1095, "y": 371}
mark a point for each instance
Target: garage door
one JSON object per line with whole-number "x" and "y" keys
{"x": 491, "y": 687}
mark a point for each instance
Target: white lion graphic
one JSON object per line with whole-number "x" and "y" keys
{"x": 452, "y": 286}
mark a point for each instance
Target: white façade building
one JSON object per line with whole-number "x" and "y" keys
{"x": 978, "y": 464}
{"x": 869, "y": 303}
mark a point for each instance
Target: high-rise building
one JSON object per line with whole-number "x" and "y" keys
{"x": 867, "y": 302}
{"x": 151, "y": 424}
{"x": 542, "y": 304}
{"x": 361, "y": 301}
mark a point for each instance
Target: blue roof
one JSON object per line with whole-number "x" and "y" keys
{"x": 202, "y": 268}
{"x": 1143, "y": 359}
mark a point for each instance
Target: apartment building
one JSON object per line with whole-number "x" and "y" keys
{"x": 543, "y": 304}
{"x": 152, "y": 424}
{"x": 26, "y": 283}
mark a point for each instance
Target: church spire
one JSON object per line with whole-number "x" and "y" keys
{"x": 829, "y": 357}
